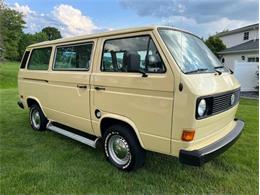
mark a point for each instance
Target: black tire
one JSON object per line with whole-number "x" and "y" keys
{"x": 42, "y": 122}
{"x": 135, "y": 153}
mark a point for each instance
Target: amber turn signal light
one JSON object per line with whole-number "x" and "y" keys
{"x": 188, "y": 135}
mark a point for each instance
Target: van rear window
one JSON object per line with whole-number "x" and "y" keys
{"x": 75, "y": 57}
{"x": 24, "y": 60}
{"x": 39, "y": 59}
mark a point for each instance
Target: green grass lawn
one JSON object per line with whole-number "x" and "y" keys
{"x": 8, "y": 74}
{"x": 45, "y": 162}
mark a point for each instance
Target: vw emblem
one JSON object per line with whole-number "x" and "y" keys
{"x": 232, "y": 99}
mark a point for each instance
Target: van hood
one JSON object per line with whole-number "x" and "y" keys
{"x": 212, "y": 83}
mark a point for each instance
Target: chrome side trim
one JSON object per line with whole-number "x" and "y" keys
{"x": 71, "y": 135}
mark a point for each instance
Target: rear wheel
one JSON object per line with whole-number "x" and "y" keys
{"x": 37, "y": 119}
{"x": 122, "y": 148}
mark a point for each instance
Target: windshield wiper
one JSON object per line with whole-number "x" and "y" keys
{"x": 218, "y": 67}
{"x": 196, "y": 70}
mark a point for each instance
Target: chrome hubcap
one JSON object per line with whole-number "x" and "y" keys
{"x": 119, "y": 149}
{"x": 36, "y": 120}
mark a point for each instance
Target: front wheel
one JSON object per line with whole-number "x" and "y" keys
{"x": 122, "y": 148}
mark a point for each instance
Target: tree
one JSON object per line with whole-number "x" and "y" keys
{"x": 52, "y": 33}
{"x": 215, "y": 44}
{"x": 2, "y": 4}
{"x": 28, "y": 39}
{"x": 257, "y": 76}
{"x": 24, "y": 42}
{"x": 12, "y": 24}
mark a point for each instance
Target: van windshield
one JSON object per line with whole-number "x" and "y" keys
{"x": 190, "y": 53}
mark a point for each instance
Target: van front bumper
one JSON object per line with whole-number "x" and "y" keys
{"x": 203, "y": 155}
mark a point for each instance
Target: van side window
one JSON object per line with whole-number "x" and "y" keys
{"x": 39, "y": 59}
{"x": 24, "y": 60}
{"x": 73, "y": 57}
{"x": 131, "y": 55}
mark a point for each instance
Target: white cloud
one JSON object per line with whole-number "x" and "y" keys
{"x": 73, "y": 21}
{"x": 200, "y": 10}
{"x": 207, "y": 28}
{"x": 69, "y": 20}
{"x": 24, "y": 9}
{"x": 181, "y": 8}
{"x": 202, "y": 17}
{"x": 224, "y": 24}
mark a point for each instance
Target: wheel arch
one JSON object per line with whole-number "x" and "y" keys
{"x": 111, "y": 119}
{"x": 33, "y": 100}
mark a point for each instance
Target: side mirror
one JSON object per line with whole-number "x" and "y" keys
{"x": 142, "y": 72}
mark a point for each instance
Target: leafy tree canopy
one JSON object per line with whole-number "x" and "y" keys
{"x": 12, "y": 24}
{"x": 215, "y": 44}
{"x": 13, "y": 41}
{"x": 52, "y": 33}
{"x": 28, "y": 39}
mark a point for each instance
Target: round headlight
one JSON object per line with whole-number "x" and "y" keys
{"x": 202, "y": 106}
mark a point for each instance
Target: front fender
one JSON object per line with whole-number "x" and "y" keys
{"x": 123, "y": 119}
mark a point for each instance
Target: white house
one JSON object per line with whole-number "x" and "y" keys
{"x": 242, "y": 54}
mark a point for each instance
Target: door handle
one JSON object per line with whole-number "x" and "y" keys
{"x": 100, "y": 88}
{"x": 82, "y": 86}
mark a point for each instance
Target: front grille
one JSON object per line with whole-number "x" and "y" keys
{"x": 218, "y": 103}
{"x": 223, "y": 102}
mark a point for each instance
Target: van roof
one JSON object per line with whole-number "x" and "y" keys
{"x": 102, "y": 34}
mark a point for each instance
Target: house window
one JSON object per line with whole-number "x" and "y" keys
{"x": 243, "y": 58}
{"x": 253, "y": 59}
{"x": 246, "y": 35}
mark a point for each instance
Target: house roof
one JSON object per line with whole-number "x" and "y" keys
{"x": 248, "y": 46}
{"x": 242, "y": 29}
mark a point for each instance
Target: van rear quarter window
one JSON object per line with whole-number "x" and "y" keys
{"x": 24, "y": 60}
{"x": 39, "y": 59}
{"x": 74, "y": 57}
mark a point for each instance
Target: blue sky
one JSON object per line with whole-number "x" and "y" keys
{"x": 202, "y": 17}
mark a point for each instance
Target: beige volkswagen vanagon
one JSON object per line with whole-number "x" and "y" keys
{"x": 151, "y": 88}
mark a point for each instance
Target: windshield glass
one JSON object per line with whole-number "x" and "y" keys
{"x": 190, "y": 53}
